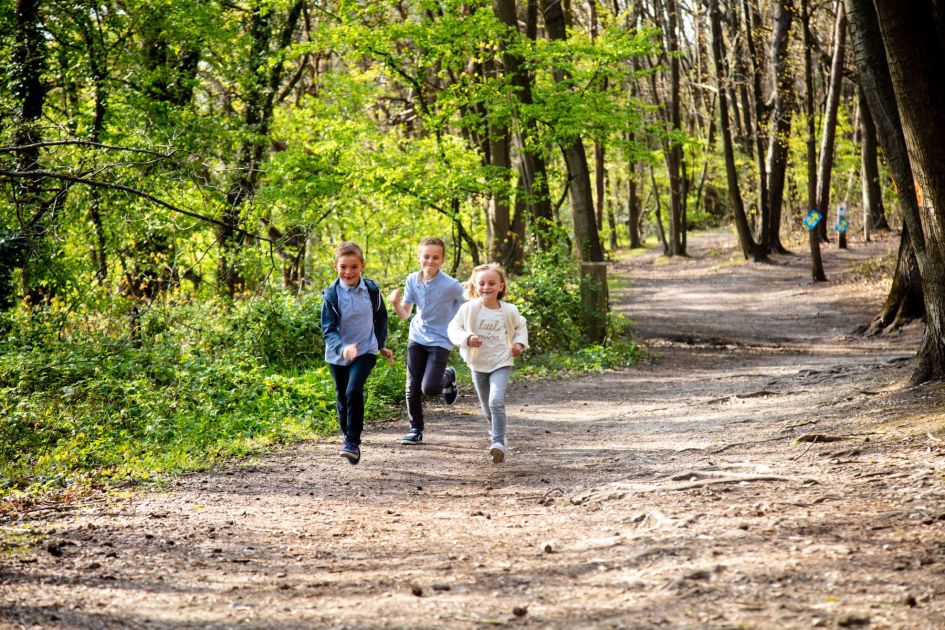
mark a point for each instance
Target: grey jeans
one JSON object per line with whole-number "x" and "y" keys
{"x": 490, "y": 387}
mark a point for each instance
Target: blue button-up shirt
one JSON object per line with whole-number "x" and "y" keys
{"x": 437, "y": 302}
{"x": 356, "y": 322}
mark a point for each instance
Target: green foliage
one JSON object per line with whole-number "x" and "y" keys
{"x": 548, "y": 294}
{"x": 121, "y": 358}
{"x": 201, "y": 381}
{"x": 621, "y": 353}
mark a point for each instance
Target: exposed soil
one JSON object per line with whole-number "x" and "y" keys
{"x": 765, "y": 470}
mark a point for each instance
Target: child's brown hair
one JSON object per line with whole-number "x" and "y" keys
{"x": 471, "y": 283}
{"x": 432, "y": 240}
{"x": 349, "y": 248}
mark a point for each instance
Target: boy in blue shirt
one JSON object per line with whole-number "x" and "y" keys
{"x": 354, "y": 325}
{"x": 437, "y": 296}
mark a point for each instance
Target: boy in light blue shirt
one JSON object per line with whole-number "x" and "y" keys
{"x": 437, "y": 296}
{"x": 354, "y": 325}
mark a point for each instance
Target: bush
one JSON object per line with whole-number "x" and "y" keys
{"x": 548, "y": 294}
{"x": 200, "y": 381}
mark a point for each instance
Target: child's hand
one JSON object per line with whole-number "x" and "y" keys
{"x": 517, "y": 349}
{"x": 350, "y": 352}
{"x": 394, "y": 297}
{"x": 474, "y": 341}
{"x": 387, "y": 354}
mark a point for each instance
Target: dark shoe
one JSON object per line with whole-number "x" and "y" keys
{"x": 351, "y": 452}
{"x": 414, "y": 437}
{"x": 450, "y": 391}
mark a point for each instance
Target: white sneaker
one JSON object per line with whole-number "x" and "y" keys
{"x": 498, "y": 452}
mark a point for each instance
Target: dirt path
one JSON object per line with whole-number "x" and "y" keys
{"x": 674, "y": 495}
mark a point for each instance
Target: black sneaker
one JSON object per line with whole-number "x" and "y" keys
{"x": 414, "y": 437}
{"x": 351, "y": 452}
{"x": 450, "y": 391}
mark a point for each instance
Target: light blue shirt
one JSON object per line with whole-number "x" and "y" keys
{"x": 356, "y": 322}
{"x": 437, "y": 302}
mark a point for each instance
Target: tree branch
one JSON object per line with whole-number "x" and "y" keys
{"x": 134, "y": 191}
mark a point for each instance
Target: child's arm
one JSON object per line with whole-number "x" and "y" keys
{"x": 457, "y": 332}
{"x": 402, "y": 309}
{"x": 330, "y": 329}
{"x": 520, "y": 338}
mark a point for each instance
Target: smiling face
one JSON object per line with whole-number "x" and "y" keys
{"x": 349, "y": 268}
{"x": 430, "y": 258}
{"x": 489, "y": 285}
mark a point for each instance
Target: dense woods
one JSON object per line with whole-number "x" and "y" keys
{"x": 174, "y": 175}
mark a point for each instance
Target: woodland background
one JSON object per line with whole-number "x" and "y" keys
{"x": 175, "y": 174}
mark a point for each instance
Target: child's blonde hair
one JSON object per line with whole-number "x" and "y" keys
{"x": 349, "y": 248}
{"x": 471, "y": 283}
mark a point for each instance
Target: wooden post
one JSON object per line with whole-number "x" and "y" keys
{"x": 594, "y": 300}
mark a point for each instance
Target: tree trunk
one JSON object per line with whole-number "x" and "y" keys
{"x": 533, "y": 167}
{"x": 873, "y": 211}
{"x": 816, "y": 262}
{"x": 600, "y": 182}
{"x": 658, "y": 212}
{"x": 673, "y": 149}
{"x": 750, "y": 249}
{"x": 881, "y": 100}
{"x": 587, "y": 240}
{"x": 904, "y": 301}
{"x": 633, "y": 205}
{"x": 761, "y": 120}
{"x": 501, "y": 240}
{"x": 829, "y": 134}
{"x": 782, "y": 111}
{"x": 262, "y": 86}
{"x": 29, "y": 92}
{"x": 916, "y": 56}
{"x": 99, "y": 71}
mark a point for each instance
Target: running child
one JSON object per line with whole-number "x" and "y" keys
{"x": 490, "y": 333}
{"x": 438, "y": 296}
{"x": 354, "y": 325}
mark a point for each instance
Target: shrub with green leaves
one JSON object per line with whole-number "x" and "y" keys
{"x": 548, "y": 294}
{"x": 199, "y": 381}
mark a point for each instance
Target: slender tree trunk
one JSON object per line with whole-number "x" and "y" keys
{"x": 873, "y": 210}
{"x": 633, "y": 204}
{"x": 586, "y": 237}
{"x": 782, "y": 111}
{"x": 501, "y": 239}
{"x": 600, "y": 182}
{"x": 29, "y": 92}
{"x": 916, "y": 56}
{"x": 816, "y": 262}
{"x": 673, "y": 149}
{"x": 761, "y": 120}
{"x": 829, "y": 134}
{"x": 533, "y": 170}
{"x": 749, "y": 248}
{"x": 263, "y": 83}
{"x": 658, "y": 212}
{"x": 99, "y": 72}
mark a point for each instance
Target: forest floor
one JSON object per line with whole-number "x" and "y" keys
{"x": 763, "y": 469}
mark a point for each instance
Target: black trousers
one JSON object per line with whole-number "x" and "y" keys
{"x": 349, "y": 394}
{"x": 425, "y": 377}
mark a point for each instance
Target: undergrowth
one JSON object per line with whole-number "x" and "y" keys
{"x": 90, "y": 401}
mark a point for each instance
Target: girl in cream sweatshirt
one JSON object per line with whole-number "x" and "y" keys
{"x": 490, "y": 333}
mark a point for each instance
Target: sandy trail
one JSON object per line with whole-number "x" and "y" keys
{"x": 675, "y": 494}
